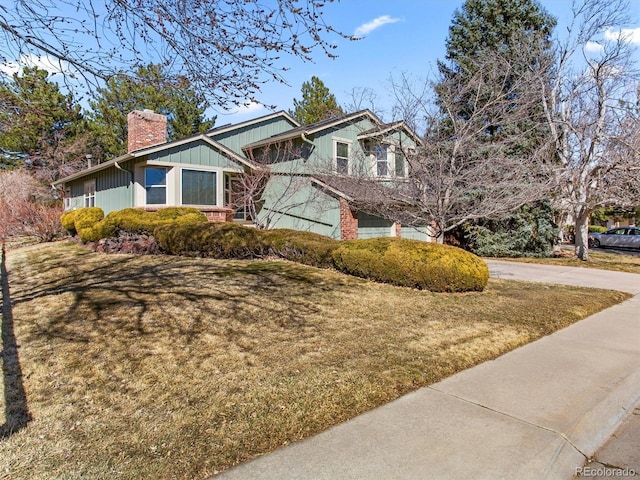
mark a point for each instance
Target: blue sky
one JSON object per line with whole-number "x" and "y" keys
{"x": 398, "y": 37}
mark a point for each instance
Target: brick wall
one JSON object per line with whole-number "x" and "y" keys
{"x": 398, "y": 229}
{"x": 145, "y": 129}
{"x": 348, "y": 221}
{"x": 213, "y": 214}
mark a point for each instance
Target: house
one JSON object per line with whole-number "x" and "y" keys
{"x": 269, "y": 171}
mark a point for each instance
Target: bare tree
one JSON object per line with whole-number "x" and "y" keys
{"x": 589, "y": 110}
{"x": 274, "y": 186}
{"x": 27, "y": 208}
{"x": 226, "y": 48}
{"x": 484, "y": 163}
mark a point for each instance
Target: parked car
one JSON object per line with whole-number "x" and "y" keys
{"x": 621, "y": 237}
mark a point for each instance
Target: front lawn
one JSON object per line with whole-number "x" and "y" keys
{"x": 168, "y": 367}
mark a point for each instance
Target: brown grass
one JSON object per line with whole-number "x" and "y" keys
{"x": 167, "y": 367}
{"x": 597, "y": 259}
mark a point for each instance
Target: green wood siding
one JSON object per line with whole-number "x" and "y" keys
{"x": 303, "y": 208}
{"x": 114, "y": 189}
{"x": 412, "y": 233}
{"x": 370, "y": 226}
{"x": 238, "y": 138}
{"x": 195, "y": 153}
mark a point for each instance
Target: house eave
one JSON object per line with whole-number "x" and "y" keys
{"x": 155, "y": 149}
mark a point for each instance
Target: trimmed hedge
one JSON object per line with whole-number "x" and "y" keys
{"x": 412, "y": 263}
{"x": 68, "y": 220}
{"x": 215, "y": 240}
{"x": 302, "y": 247}
{"x": 84, "y": 221}
{"x": 91, "y": 225}
{"x": 597, "y": 229}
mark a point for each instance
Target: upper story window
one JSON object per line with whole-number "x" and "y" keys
{"x": 341, "y": 155}
{"x": 155, "y": 183}
{"x": 382, "y": 160}
{"x": 90, "y": 193}
{"x": 400, "y": 163}
{"x": 199, "y": 187}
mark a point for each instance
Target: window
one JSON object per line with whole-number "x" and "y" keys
{"x": 155, "y": 183}
{"x": 342, "y": 158}
{"x": 199, "y": 187}
{"x": 400, "y": 163}
{"x": 234, "y": 196}
{"x": 382, "y": 163}
{"x": 90, "y": 193}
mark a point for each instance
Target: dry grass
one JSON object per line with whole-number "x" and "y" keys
{"x": 167, "y": 367}
{"x": 597, "y": 259}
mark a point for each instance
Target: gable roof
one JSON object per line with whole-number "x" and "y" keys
{"x": 314, "y": 128}
{"x": 235, "y": 126}
{"x": 154, "y": 149}
{"x": 385, "y": 128}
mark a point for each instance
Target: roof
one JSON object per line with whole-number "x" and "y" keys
{"x": 384, "y": 129}
{"x": 314, "y": 128}
{"x": 229, "y": 127}
{"x": 157, "y": 148}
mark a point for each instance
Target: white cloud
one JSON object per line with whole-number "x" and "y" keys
{"x": 249, "y": 108}
{"x": 631, "y": 35}
{"x": 593, "y": 47}
{"x": 53, "y": 66}
{"x": 367, "y": 28}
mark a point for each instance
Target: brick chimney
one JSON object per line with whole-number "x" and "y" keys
{"x": 145, "y": 129}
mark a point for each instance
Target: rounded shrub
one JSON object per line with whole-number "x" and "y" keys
{"x": 215, "y": 240}
{"x": 135, "y": 221}
{"x": 85, "y": 220}
{"x": 597, "y": 229}
{"x": 412, "y": 263}
{"x": 68, "y": 220}
{"x": 302, "y": 247}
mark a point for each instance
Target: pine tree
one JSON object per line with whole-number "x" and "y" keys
{"x": 148, "y": 89}
{"x": 40, "y": 127}
{"x": 317, "y": 103}
{"x": 519, "y": 33}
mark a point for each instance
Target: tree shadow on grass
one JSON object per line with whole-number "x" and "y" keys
{"x": 16, "y": 412}
{"x": 116, "y": 302}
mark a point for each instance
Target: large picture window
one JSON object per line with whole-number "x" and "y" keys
{"x": 199, "y": 187}
{"x": 90, "y": 193}
{"x": 155, "y": 183}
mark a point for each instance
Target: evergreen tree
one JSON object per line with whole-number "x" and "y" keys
{"x": 148, "y": 89}
{"x": 317, "y": 103}
{"x": 519, "y": 33}
{"x": 499, "y": 26}
{"x": 40, "y": 127}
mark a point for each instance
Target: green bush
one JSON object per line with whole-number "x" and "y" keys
{"x": 530, "y": 231}
{"x": 91, "y": 225}
{"x": 302, "y": 247}
{"x": 68, "y": 220}
{"x": 597, "y": 229}
{"x": 215, "y": 240}
{"x": 412, "y": 263}
{"x": 85, "y": 220}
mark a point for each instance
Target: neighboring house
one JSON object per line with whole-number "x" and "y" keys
{"x": 302, "y": 190}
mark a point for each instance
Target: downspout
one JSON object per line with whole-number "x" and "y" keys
{"x": 304, "y": 138}
{"x": 303, "y": 135}
{"x": 133, "y": 202}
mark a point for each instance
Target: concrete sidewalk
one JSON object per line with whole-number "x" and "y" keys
{"x": 537, "y": 412}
